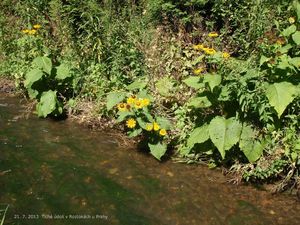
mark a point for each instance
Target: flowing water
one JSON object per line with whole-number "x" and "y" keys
{"x": 57, "y": 172}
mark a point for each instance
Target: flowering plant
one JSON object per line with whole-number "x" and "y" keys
{"x": 135, "y": 111}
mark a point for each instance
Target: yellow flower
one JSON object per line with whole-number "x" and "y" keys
{"x": 213, "y": 34}
{"x": 122, "y": 107}
{"x": 198, "y": 47}
{"x": 156, "y": 127}
{"x": 198, "y": 71}
{"x": 210, "y": 51}
{"x": 25, "y": 31}
{"x": 292, "y": 20}
{"x": 145, "y": 102}
{"x": 32, "y": 32}
{"x": 131, "y": 123}
{"x": 162, "y": 132}
{"x": 138, "y": 104}
{"x": 149, "y": 126}
{"x": 131, "y": 100}
{"x": 225, "y": 55}
{"x": 37, "y": 26}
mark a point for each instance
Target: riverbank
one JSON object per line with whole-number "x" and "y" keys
{"x": 59, "y": 168}
{"x": 85, "y": 115}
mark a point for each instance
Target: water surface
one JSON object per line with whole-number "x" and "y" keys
{"x": 57, "y": 172}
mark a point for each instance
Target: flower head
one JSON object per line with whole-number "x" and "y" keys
{"x": 210, "y": 51}
{"x": 37, "y": 26}
{"x": 122, "y": 107}
{"x": 198, "y": 71}
{"x": 225, "y": 55}
{"x": 198, "y": 47}
{"x": 131, "y": 123}
{"x": 32, "y": 32}
{"x": 156, "y": 127}
{"x": 149, "y": 126}
{"x": 145, "y": 102}
{"x": 292, "y": 20}
{"x": 213, "y": 34}
{"x": 138, "y": 104}
{"x": 25, "y": 31}
{"x": 162, "y": 132}
{"x": 131, "y": 100}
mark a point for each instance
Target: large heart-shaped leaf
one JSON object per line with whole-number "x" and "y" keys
{"x": 32, "y": 76}
{"x": 213, "y": 80}
{"x": 280, "y": 95}
{"x": 43, "y": 63}
{"x": 249, "y": 145}
{"x": 296, "y": 37}
{"x": 198, "y": 135}
{"x": 224, "y": 133}
{"x": 138, "y": 84}
{"x": 199, "y": 102}
{"x": 47, "y": 103}
{"x": 114, "y": 98}
{"x": 157, "y": 150}
{"x": 63, "y": 72}
{"x": 194, "y": 82}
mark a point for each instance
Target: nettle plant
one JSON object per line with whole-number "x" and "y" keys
{"x": 135, "y": 109}
{"x": 50, "y": 85}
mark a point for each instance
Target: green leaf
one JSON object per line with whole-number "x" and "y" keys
{"x": 194, "y": 82}
{"x": 295, "y": 62}
{"x": 290, "y": 30}
{"x": 280, "y": 95}
{"x": 213, "y": 80}
{"x": 63, "y": 72}
{"x": 141, "y": 123}
{"x": 199, "y": 102}
{"x": 164, "y": 123}
{"x": 284, "y": 62}
{"x": 225, "y": 94}
{"x": 198, "y": 136}
{"x": 157, "y": 150}
{"x": 263, "y": 59}
{"x": 43, "y": 63}
{"x": 123, "y": 116}
{"x": 138, "y": 84}
{"x": 144, "y": 94}
{"x": 248, "y": 144}
{"x": 165, "y": 86}
{"x": 224, "y": 133}
{"x": 47, "y": 103}
{"x": 285, "y": 48}
{"x": 296, "y": 6}
{"x": 296, "y": 37}
{"x": 32, "y": 76}
{"x": 148, "y": 115}
{"x": 135, "y": 132}
{"x": 32, "y": 93}
{"x": 114, "y": 98}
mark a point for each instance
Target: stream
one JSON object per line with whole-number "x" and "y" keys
{"x": 58, "y": 172}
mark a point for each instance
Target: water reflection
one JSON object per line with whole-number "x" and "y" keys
{"x": 60, "y": 173}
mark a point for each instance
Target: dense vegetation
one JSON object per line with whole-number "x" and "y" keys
{"x": 209, "y": 80}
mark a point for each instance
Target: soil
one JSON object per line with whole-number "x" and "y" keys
{"x": 7, "y": 85}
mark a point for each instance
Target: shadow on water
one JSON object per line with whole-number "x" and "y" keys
{"x": 56, "y": 172}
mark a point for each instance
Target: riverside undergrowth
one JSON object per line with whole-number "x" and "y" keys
{"x": 216, "y": 81}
